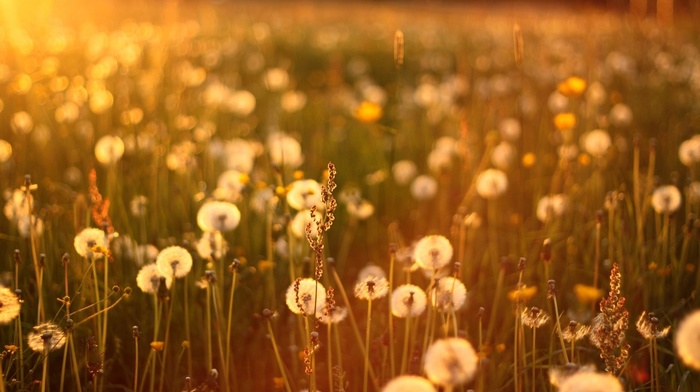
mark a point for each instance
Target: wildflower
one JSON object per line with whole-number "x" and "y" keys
{"x": 331, "y": 315}
{"x": 276, "y": 79}
{"x": 230, "y": 185}
{"x": 100, "y": 101}
{"x": 361, "y": 210}
{"x": 25, "y": 227}
{"x": 5, "y": 151}
{"x": 301, "y": 221}
{"x": 551, "y": 206}
{"x": 293, "y": 101}
{"x": 596, "y": 142}
{"x": 9, "y": 305}
{"x": 109, "y": 150}
{"x": 304, "y": 194}
{"x": 21, "y": 123}
{"x": 565, "y": 121}
{"x": 647, "y": 326}
{"x": 424, "y": 187}
{"x": 240, "y": 102}
{"x": 408, "y": 301}
{"x": 138, "y": 206}
{"x": 371, "y": 270}
{"x": 491, "y": 183}
{"x": 371, "y": 288}
{"x": 218, "y": 216}
{"x": 403, "y": 171}
{"x": 426, "y": 95}
{"x": 157, "y": 345}
{"x": 510, "y": 130}
{"x": 450, "y": 362}
{"x": 559, "y": 374}
{"x": 587, "y": 294}
{"x": 689, "y": 151}
{"x": 591, "y": 382}
{"x": 687, "y": 340}
{"x": 522, "y": 294}
{"x": 368, "y": 112}
{"x": 439, "y": 161}
{"x": 408, "y": 383}
{"x": 207, "y": 247}
{"x": 575, "y": 332}
{"x": 47, "y": 336}
{"x": 87, "y": 240}
{"x": 433, "y": 252}
{"x": 149, "y": 278}
{"x": 572, "y": 87}
{"x": 621, "y": 115}
{"x": 595, "y": 95}
{"x": 284, "y": 150}
{"x": 448, "y": 294}
{"x": 305, "y": 296}
{"x": 239, "y": 154}
{"x": 174, "y": 261}
{"x": 503, "y": 155}
{"x": 529, "y": 159}
{"x": 666, "y": 199}
{"x": 534, "y": 317}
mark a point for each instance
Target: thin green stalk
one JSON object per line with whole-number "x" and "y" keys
{"x": 278, "y": 356}
{"x": 171, "y": 305}
{"x": 45, "y": 371}
{"x": 369, "y": 319}
{"x": 188, "y": 336}
{"x": 210, "y": 362}
{"x": 534, "y": 358}
{"x": 392, "y": 259}
{"x": 230, "y": 318}
{"x": 499, "y": 289}
{"x": 561, "y": 338}
{"x": 329, "y": 355}
{"x": 136, "y": 361}
{"x": 406, "y": 332}
{"x": 516, "y": 347}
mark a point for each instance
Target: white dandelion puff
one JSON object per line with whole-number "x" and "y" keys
{"x": 408, "y": 301}
{"x": 433, "y": 252}
{"x": 174, "y": 261}
{"x": 450, "y": 362}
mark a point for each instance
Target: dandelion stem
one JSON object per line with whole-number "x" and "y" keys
{"x": 561, "y": 338}
{"x": 406, "y": 332}
{"x": 534, "y": 358}
{"x": 392, "y": 259}
{"x": 45, "y": 365}
{"x": 369, "y": 319}
{"x": 167, "y": 334}
{"x": 136, "y": 362}
{"x": 230, "y": 318}
{"x": 278, "y": 357}
{"x": 492, "y": 319}
{"x": 188, "y": 336}
{"x": 329, "y": 353}
{"x": 208, "y": 321}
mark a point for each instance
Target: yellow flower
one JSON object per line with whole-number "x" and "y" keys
{"x": 587, "y": 294}
{"x": 572, "y": 87}
{"x": 186, "y": 344}
{"x": 584, "y": 159}
{"x": 529, "y": 159}
{"x": 265, "y": 265}
{"x": 368, "y": 112}
{"x": 501, "y": 347}
{"x": 157, "y": 346}
{"x": 298, "y": 174}
{"x": 279, "y": 382}
{"x": 280, "y": 191}
{"x": 522, "y": 294}
{"x": 565, "y": 121}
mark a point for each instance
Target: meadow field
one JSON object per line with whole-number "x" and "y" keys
{"x": 359, "y": 197}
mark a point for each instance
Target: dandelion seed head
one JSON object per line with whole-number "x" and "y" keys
{"x": 550, "y": 207}
{"x": 557, "y": 102}
{"x": 534, "y": 317}
{"x": 503, "y": 155}
{"x": 276, "y": 79}
{"x": 370, "y": 270}
{"x": 510, "y": 129}
{"x": 47, "y": 336}
{"x": 596, "y": 142}
{"x": 284, "y": 150}
{"x": 559, "y": 374}
{"x": 293, "y": 101}
{"x": 424, "y": 187}
{"x": 648, "y": 326}
{"x": 230, "y": 184}
{"x": 218, "y": 216}
{"x": 303, "y": 296}
{"x": 304, "y": 194}
{"x": 666, "y": 199}
{"x": 5, "y": 151}
{"x": 25, "y": 227}
{"x": 408, "y": 301}
{"x": 448, "y": 294}
{"x": 334, "y": 315}
{"x": 404, "y": 171}
{"x": 687, "y": 340}
{"x": 174, "y": 260}
{"x": 450, "y": 362}
{"x": 491, "y": 183}
{"x": 148, "y": 279}
{"x": 241, "y": 103}
{"x": 621, "y": 115}
{"x": 109, "y": 150}
{"x": 21, "y": 123}
{"x": 408, "y": 383}
{"x": 432, "y": 252}
{"x": 101, "y": 100}
{"x": 371, "y": 288}
{"x": 360, "y": 210}
{"x": 9, "y": 305}
{"x": 88, "y": 239}
{"x": 207, "y": 247}
{"x": 300, "y": 222}
{"x": 591, "y": 382}
{"x": 689, "y": 151}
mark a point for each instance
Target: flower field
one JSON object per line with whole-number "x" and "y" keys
{"x": 275, "y": 197}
